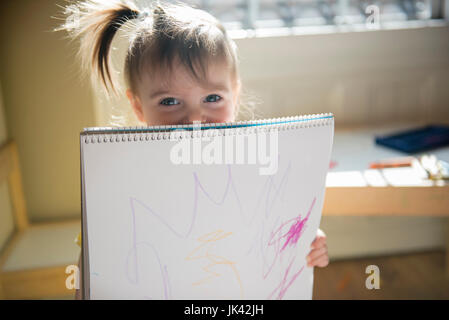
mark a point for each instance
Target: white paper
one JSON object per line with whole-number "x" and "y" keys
{"x": 157, "y": 230}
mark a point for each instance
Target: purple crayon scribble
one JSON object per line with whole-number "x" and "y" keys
{"x": 267, "y": 189}
{"x": 162, "y": 268}
{"x": 230, "y": 185}
{"x": 197, "y": 186}
{"x": 166, "y": 280}
{"x": 269, "y": 203}
{"x": 271, "y": 197}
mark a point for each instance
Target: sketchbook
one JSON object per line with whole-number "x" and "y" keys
{"x": 203, "y": 211}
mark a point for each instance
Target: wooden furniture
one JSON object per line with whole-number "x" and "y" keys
{"x": 34, "y": 260}
{"x": 354, "y": 190}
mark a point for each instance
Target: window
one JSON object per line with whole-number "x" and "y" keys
{"x": 261, "y": 14}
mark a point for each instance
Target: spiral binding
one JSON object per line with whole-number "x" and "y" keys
{"x": 134, "y": 134}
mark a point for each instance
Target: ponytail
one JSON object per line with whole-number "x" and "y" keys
{"x": 96, "y": 22}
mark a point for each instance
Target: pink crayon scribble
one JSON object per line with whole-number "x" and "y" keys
{"x": 279, "y": 241}
{"x": 281, "y": 289}
{"x": 292, "y": 236}
{"x": 296, "y": 229}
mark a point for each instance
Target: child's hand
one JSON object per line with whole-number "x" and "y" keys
{"x": 318, "y": 255}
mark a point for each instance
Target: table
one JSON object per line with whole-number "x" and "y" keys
{"x": 353, "y": 189}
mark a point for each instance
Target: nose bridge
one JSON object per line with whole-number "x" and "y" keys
{"x": 195, "y": 113}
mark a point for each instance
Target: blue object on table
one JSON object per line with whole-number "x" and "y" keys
{"x": 417, "y": 140}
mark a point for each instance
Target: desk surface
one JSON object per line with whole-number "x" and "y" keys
{"x": 354, "y": 189}
{"x": 353, "y": 151}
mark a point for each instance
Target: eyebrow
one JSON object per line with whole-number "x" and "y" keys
{"x": 210, "y": 86}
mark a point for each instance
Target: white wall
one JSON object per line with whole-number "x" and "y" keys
{"x": 362, "y": 77}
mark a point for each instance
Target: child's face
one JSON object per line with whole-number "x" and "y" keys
{"x": 177, "y": 98}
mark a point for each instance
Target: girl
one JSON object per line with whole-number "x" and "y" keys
{"x": 180, "y": 67}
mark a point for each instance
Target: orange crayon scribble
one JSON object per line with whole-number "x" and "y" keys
{"x": 207, "y": 240}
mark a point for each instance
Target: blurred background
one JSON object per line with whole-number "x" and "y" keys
{"x": 378, "y": 66}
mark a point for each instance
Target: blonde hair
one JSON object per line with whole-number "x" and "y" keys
{"x": 157, "y": 35}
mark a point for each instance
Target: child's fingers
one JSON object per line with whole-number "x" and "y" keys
{"x": 319, "y": 239}
{"x": 321, "y": 261}
{"x": 316, "y": 253}
{"x": 318, "y": 242}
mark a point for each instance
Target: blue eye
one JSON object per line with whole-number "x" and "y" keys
{"x": 169, "y": 102}
{"x": 212, "y": 98}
